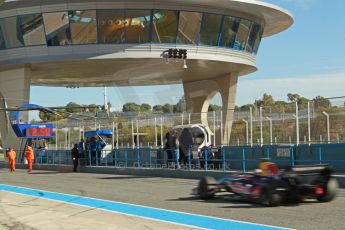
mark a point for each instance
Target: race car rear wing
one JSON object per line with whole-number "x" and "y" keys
{"x": 321, "y": 169}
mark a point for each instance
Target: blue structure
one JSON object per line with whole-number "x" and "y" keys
{"x": 24, "y": 130}
{"x": 106, "y": 132}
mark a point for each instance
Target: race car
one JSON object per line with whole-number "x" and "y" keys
{"x": 293, "y": 185}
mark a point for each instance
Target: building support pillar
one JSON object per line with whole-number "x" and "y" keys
{"x": 198, "y": 95}
{"x": 14, "y": 91}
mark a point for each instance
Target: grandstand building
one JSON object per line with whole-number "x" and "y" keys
{"x": 88, "y": 43}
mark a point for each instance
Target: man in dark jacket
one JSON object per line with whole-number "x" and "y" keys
{"x": 75, "y": 157}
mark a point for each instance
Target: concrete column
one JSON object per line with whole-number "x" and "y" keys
{"x": 14, "y": 91}
{"x": 228, "y": 89}
{"x": 199, "y": 94}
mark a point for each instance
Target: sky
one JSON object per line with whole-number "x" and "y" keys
{"x": 308, "y": 59}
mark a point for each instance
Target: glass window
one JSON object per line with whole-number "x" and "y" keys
{"x": 57, "y": 28}
{"x": 242, "y": 34}
{"x": 210, "y": 28}
{"x": 189, "y": 27}
{"x": 111, "y": 26}
{"x": 83, "y": 26}
{"x": 138, "y": 26}
{"x": 254, "y": 36}
{"x": 258, "y": 40}
{"x": 229, "y": 31}
{"x": 32, "y": 29}
{"x": 11, "y": 33}
{"x": 165, "y": 24}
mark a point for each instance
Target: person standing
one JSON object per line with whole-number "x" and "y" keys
{"x": 168, "y": 147}
{"x": 75, "y": 157}
{"x": 11, "y": 154}
{"x": 30, "y": 156}
{"x": 81, "y": 147}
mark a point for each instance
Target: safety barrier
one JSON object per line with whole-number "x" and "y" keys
{"x": 244, "y": 158}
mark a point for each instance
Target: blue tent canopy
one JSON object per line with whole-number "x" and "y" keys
{"x": 98, "y": 132}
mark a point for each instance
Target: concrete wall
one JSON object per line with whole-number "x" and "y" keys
{"x": 168, "y": 173}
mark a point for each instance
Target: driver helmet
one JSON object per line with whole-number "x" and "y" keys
{"x": 257, "y": 171}
{"x": 8, "y": 149}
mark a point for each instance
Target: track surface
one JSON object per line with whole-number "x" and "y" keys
{"x": 173, "y": 194}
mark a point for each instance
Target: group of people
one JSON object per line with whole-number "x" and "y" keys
{"x": 183, "y": 144}
{"x": 93, "y": 145}
{"x": 12, "y": 155}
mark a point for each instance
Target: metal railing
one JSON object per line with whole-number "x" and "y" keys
{"x": 239, "y": 158}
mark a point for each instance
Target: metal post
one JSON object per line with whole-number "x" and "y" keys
{"x": 189, "y": 159}
{"x": 112, "y": 136}
{"x": 297, "y": 124}
{"x": 243, "y": 161}
{"x": 271, "y": 135}
{"x": 181, "y": 118}
{"x": 117, "y": 135}
{"x": 214, "y": 128}
{"x": 247, "y": 138}
{"x": 320, "y": 155}
{"x": 56, "y": 133}
{"x": 223, "y": 157}
{"x": 189, "y": 118}
{"x": 161, "y": 131}
{"x": 138, "y": 142}
{"x": 292, "y": 157}
{"x": 221, "y": 128}
{"x": 251, "y": 126}
{"x": 156, "y": 132}
{"x": 328, "y": 134}
{"x": 132, "y": 133}
{"x": 309, "y": 140}
{"x": 177, "y": 156}
{"x": 80, "y": 136}
{"x": 95, "y": 123}
{"x": 261, "y": 137}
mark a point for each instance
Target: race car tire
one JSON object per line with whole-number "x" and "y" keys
{"x": 331, "y": 191}
{"x": 269, "y": 197}
{"x": 207, "y": 188}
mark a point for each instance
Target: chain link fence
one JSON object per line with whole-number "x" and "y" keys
{"x": 256, "y": 126}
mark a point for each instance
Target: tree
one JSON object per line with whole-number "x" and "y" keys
{"x": 279, "y": 107}
{"x": 321, "y": 102}
{"x": 131, "y": 107}
{"x": 145, "y": 108}
{"x": 70, "y": 107}
{"x": 93, "y": 108}
{"x": 45, "y": 116}
{"x": 267, "y": 100}
{"x": 293, "y": 97}
{"x": 157, "y": 109}
{"x": 168, "y": 108}
{"x": 303, "y": 102}
{"x": 214, "y": 107}
{"x": 244, "y": 107}
{"x": 180, "y": 106}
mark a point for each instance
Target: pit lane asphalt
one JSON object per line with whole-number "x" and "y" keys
{"x": 174, "y": 194}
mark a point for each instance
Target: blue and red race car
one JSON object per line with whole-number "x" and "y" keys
{"x": 293, "y": 185}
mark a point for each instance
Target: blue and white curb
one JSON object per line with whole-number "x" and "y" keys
{"x": 186, "y": 219}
